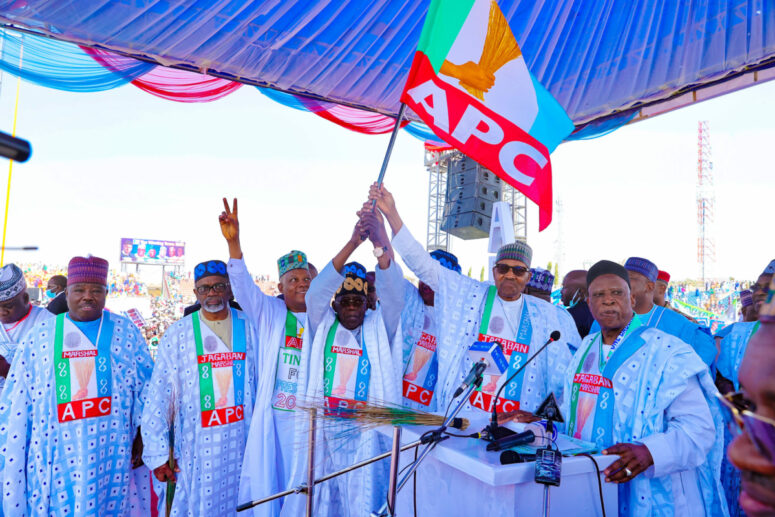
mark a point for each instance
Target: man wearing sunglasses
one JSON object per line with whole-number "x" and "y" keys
{"x": 203, "y": 387}
{"x": 352, "y": 360}
{"x": 468, "y": 311}
{"x": 752, "y": 410}
{"x": 647, "y": 397}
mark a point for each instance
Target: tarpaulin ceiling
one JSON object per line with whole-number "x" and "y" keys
{"x": 599, "y": 58}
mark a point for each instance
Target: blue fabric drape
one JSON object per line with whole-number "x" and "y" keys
{"x": 61, "y": 65}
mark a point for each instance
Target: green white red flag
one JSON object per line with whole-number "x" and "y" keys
{"x": 469, "y": 82}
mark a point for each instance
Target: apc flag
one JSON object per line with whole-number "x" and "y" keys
{"x": 470, "y": 84}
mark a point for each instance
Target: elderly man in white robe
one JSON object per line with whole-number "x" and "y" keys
{"x": 646, "y": 396}
{"x": 202, "y": 388}
{"x": 468, "y": 311}
{"x": 282, "y": 353}
{"x": 352, "y": 364}
{"x": 17, "y": 315}
{"x": 70, "y": 410}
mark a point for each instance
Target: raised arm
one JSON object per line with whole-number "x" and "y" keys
{"x": 389, "y": 277}
{"x": 413, "y": 253}
{"x": 246, "y": 292}
{"x": 324, "y": 286}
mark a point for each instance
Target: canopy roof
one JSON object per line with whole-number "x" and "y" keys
{"x": 599, "y": 58}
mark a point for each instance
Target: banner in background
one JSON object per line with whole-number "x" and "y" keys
{"x": 161, "y": 253}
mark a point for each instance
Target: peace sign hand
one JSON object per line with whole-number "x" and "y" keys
{"x": 229, "y": 221}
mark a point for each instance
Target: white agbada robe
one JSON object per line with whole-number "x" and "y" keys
{"x": 362, "y": 491}
{"x": 660, "y": 394}
{"x": 209, "y": 444}
{"x": 272, "y": 443}
{"x": 80, "y": 465}
{"x": 459, "y": 304}
{"x": 10, "y": 338}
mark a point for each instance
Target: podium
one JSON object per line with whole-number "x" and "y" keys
{"x": 460, "y": 477}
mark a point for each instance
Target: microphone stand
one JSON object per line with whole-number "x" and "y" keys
{"x": 491, "y": 432}
{"x": 435, "y": 438}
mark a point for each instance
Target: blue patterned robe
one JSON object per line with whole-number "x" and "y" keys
{"x": 210, "y": 458}
{"x": 81, "y": 467}
{"x": 653, "y": 369}
{"x": 734, "y": 341}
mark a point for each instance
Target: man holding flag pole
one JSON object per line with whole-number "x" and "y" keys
{"x": 469, "y": 82}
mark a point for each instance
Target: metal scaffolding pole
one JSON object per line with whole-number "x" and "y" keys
{"x": 436, "y": 164}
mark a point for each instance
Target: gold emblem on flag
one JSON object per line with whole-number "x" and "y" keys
{"x": 499, "y": 48}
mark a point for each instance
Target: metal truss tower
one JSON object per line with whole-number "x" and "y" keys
{"x": 706, "y": 201}
{"x": 437, "y": 163}
{"x": 518, "y": 203}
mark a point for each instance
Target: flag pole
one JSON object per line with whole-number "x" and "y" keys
{"x": 389, "y": 151}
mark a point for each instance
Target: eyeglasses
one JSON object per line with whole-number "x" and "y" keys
{"x": 759, "y": 287}
{"x": 760, "y": 429}
{"x": 354, "y": 303}
{"x": 219, "y": 288}
{"x": 502, "y": 269}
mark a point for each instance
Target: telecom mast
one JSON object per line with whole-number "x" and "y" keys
{"x": 706, "y": 200}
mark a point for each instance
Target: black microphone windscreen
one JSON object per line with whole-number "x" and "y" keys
{"x": 509, "y": 457}
{"x": 555, "y": 335}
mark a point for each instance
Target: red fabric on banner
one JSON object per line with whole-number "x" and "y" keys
{"x": 182, "y": 86}
{"x": 360, "y": 121}
{"x": 437, "y": 148}
{"x": 168, "y": 83}
{"x": 487, "y": 137}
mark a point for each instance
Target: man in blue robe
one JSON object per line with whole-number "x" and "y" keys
{"x": 733, "y": 345}
{"x": 70, "y": 410}
{"x": 735, "y": 337}
{"x": 646, "y": 396}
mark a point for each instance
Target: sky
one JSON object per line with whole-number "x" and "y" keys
{"x": 123, "y": 163}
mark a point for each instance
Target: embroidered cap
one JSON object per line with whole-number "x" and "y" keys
{"x": 210, "y": 268}
{"x": 663, "y": 276}
{"x": 294, "y": 260}
{"x": 446, "y": 259}
{"x": 11, "y": 282}
{"x": 541, "y": 279}
{"x": 87, "y": 270}
{"x": 354, "y": 280}
{"x": 518, "y": 250}
{"x": 643, "y": 266}
{"x": 770, "y": 269}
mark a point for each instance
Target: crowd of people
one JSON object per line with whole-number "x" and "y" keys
{"x": 119, "y": 283}
{"x": 216, "y": 419}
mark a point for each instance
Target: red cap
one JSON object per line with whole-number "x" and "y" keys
{"x": 663, "y": 276}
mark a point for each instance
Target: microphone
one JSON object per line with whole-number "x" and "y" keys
{"x": 531, "y": 433}
{"x": 473, "y": 375}
{"x": 13, "y": 148}
{"x": 509, "y": 457}
{"x": 488, "y": 359}
{"x": 493, "y": 427}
